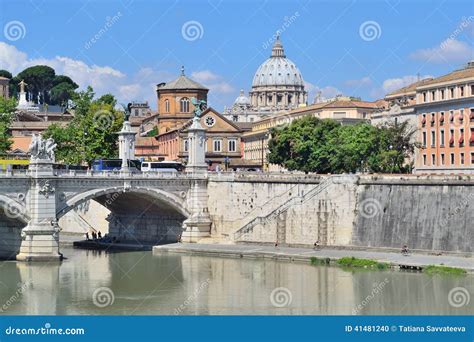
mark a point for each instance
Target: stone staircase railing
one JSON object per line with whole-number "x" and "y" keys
{"x": 247, "y": 228}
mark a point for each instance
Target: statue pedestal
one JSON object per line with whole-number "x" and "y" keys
{"x": 40, "y": 238}
{"x": 126, "y": 144}
{"x": 198, "y": 225}
{"x": 40, "y": 243}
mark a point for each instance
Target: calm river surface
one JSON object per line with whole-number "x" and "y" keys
{"x": 132, "y": 283}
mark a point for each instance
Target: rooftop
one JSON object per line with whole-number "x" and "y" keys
{"x": 182, "y": 82}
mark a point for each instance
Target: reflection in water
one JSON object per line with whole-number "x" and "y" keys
{"x": 145, "y": 284}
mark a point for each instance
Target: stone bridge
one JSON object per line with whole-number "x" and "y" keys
{"x": 33, "y": 201}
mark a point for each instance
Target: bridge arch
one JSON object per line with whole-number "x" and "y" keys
{"x": 13, "y": 218}
{"x": 137, "y": 214}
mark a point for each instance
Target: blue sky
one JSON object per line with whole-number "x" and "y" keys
{"x": 138, "y": 44}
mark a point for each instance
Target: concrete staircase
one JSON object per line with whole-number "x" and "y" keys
{"x": 273, "y": 214}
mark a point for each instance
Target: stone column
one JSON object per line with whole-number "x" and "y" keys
{"x": 40, "y": 238}
{"x": 126, "y": 144}
{"x": 198, "y": 224}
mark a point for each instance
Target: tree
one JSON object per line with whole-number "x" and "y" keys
{"x": 7, "y": 109}
{"x": 64, "y": 79}
{"x": 303, "y": 145}
{"x": 61, "y": 93}
{"x": 39, "y": 79}
{"x": 107, "y": 99}
{"x": 5, "y": 73}
{"x": 324, "y": 146}
{"x": 92, "y": 134}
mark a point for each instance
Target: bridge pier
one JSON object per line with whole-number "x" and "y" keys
{"x": 40, "y": 238}
{"x": 198, "y": 225}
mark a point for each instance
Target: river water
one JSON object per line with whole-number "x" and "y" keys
{"x": 133, "y": 283}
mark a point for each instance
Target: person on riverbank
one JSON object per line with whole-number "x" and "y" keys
{"x": 405, "y": 250}
{"x": 87, "y": 236}
{"x": 316, "y": 245}
{"x": 100, "y": 235}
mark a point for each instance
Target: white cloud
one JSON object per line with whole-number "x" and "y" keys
{"x": 204, "y": 76}
{"x": 326, "y": 92}
{"x": 450, "y": 50}
{"x": 392, "y": 84}
{"x": 363, "y": 82}
{"x": 139, "y": 86}
{"x": 216, "y": 84}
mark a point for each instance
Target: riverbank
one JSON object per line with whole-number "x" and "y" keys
{"x": 394, "y": 260}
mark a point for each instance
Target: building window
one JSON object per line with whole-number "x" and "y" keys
{"x": 441, "y": 137}
{"x": 424, "y": 159}
{"x": 461, "y": 116}
{"x": 461, "y": 155}
{"x": 461, "y": 90}
{"x": 167, "y": 106}
{"x": 137, "y": 113}
{"x": 433, "y": 138}
{"x": 424, "y": 96}
{"x": 424, "y": 139}
{"x": 232, "y": 145}
{"x": 472, "y": 89}
{"x": 423, "y": 120}
{"x": 217, "y": 145}
{"x": 432, "y": 119}
{"x": 433, "y": 96}
{"x": 442, "y": 158}
{"x": 235, "y": 118}
{"x": 441, "y": 118}
{"x": 184, "y": 105}
{"x": 451, "y": 137}
{"x": 451, "y": 91}
{"x": 433, "y": 160}
{"x": 442, "y": 94}
{"x": 472, "y": 158}
{"x": 451, "y": 115}
{"x": 452, "y": 158}
{"x": 471, "y": 138}
{"x": 461, "y": 137}
{"x": 186, "y": 145}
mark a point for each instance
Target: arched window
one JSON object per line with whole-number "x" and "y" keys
{"x": 184, "y": 105}
{"x": 167, "y": 106}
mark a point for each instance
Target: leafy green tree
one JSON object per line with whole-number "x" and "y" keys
{"x": 5, "y": 73}
{"x": 107, "y": 99}
{"x": 303, "y": 145}
{"x": 7, "y": 110}
{"x": 61, "y": 93}
{"x": 92, "y": 134}
{"x": 64, "y": 79}
{"x": 39, "y": 79}
{"x": 324, "y": 146}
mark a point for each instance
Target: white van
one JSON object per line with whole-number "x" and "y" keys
{"x": 163, "y": 166}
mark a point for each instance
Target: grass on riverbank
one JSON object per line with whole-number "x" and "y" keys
{"x": 433, "y": 269}
{"x": 364, "y": 263}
